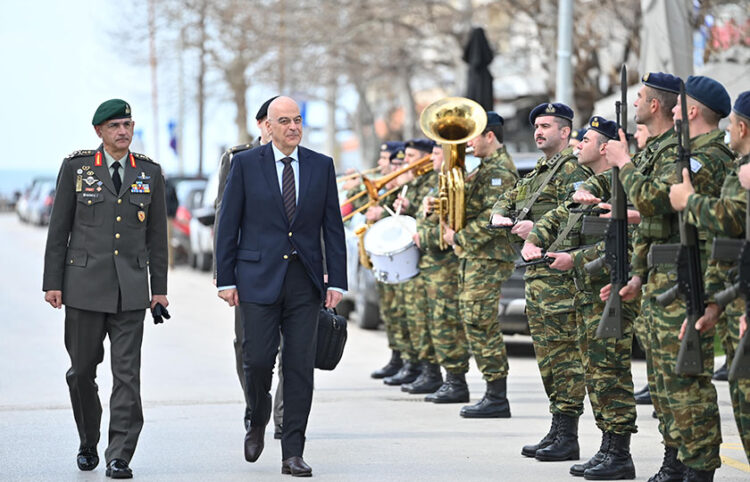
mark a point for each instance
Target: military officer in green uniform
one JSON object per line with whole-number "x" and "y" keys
{"x": 606, "y": 361}
{"x": 687, "y": 405}
{"x": 724, "y": 217}
{"x": 107, "y": 240}
{"x": 486, "y": 262}
{"x": 550, "y": 293}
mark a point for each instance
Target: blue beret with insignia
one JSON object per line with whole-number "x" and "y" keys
{"x": 390, "y": 146}
{"x": 397, "y": 155}
{"x": 555, "y": 109}
{"x": 494, "y": 119}
{"x": 662, "y": 81}
{"x": 111, "y": 109}
{"x": 263, "y": 111}
{"x": 578, "y": 134}
{"x": 742, "y": 105}
{"x": 424, "y": 145}
{"x": 603, "y": 126}
{"x": 710, "y": 93}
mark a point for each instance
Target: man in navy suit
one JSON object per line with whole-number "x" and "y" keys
{"x": 278, "y": 200}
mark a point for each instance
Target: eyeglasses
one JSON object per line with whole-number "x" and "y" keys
{"x": 116, "y": 125}
{"x": 285, "y": 121}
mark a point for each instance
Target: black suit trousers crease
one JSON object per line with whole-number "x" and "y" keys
{"x": 294, "y": 314}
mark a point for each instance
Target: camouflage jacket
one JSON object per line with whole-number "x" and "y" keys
{"x": 495, "y": 175}
{"x": 647, "y": 187}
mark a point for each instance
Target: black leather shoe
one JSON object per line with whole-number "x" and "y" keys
{"x": 87, "y": 458}
{"x": 643, "y": 397}
{"x": 428, "y": 381}
{"x": 722, "y": 374}
{"x": 390, "y": 368}
{"x": 565, "y": 446}
{"x": 254, "y": 443}
{"x": 693, "y": 475}
{"x": 530, "y": 450}
{"x": 277, "y": 432}
{"x": 577, "y": 470}
{"x": 454, "y": 390}
{"x": 407, "y": 374}
{"x": 617, "y": 463}
{"x": 296, "y": 467}
{"x": 494, "y": 404}
{"x": 118, "y": 469}
{"x": 671, "y": 469}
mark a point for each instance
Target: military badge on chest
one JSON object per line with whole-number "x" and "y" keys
{"x": 141, "y": 184}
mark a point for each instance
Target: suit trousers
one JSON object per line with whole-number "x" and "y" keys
{"x": 295, "y": 316}
{"x": 278, "y": 399}
{"x": 84, "y": 340}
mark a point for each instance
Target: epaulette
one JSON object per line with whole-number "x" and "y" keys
{"x": 239, "y": 148}
{"x": 81, "y": 153}
{"x": 144, "y": 157}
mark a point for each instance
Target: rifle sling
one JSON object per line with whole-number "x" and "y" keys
{"x": 527, "y": 208}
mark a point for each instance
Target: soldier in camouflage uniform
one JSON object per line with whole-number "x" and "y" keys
{"x": 689, "y": 415}
{"x": 439, "y": 267}
{"x": 550, "y": 293}
{"x": 486, "y": 261}
{"x": 355, "y": 185}
{"x": 606, "y": 361}
{"x": 724, "y": 217}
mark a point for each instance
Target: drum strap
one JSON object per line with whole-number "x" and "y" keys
{"x": 556, "y": 163}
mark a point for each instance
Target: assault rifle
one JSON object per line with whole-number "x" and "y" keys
{"x": 688, "y": 258}
{"x": 548, "y": 259}
{"x": 741, "y": 364}
{"x": 616, "y": 237}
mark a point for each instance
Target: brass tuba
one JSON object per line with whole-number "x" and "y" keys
{"x": 452, "y": 122}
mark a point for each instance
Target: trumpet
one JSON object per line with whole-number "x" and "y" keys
{"x": 452, "y": 122}
{"x": 372, "y": 187}
{"x": 346, "y": 177}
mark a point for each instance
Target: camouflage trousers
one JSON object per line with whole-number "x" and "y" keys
{"x": 739, "y": 390}
{"x": 415, "y": 308}
{"x": 686, "y": 405}
{"x": 606, "y": 365}
{"x": 446, "y": 327}
{"x": 396, "y": 326}
{"x": 552, "y": 323}
{"x": 479, "y": 298}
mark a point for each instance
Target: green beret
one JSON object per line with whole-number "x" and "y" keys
{"x": 111, "y": 109}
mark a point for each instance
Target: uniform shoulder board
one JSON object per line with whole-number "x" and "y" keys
{"x": 144, "y": 157}
{"x": 240, "y": 148}
{"x": 81, "y": 153}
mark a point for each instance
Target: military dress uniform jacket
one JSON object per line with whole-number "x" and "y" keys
{"x": 101, "y": 245}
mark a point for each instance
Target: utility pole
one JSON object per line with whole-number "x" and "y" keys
{"x": 154, "y": 85}
{"x": 564, "y": 79}
{"x": 201, "y": 84}
{"x": 181, "y": 106}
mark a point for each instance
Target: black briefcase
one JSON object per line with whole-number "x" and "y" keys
{"x": 331, "y": 339}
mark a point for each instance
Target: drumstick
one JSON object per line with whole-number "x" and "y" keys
{"x": 403, "y": 193}
{"x": 398, "y": 218}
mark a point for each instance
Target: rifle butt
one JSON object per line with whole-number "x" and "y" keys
{"x": 610, "y": 326}
{"x": 741, "y": 364}
{"x": 689, "y": 360}
{"x": 668, "y": 297}
{"x": 595, "y": 266}
{"x": 725, "y": 297}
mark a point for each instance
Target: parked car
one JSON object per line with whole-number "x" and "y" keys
{"x": 202, "y": 226}
{"x": 40, "y": 205}
{"x": 29, "y": 196}
{"x": 189, "y": 196}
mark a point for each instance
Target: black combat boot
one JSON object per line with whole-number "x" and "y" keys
{"x": 565, "y": 445}
{"x": 530, "y": 450}
{"x": 427, "y": 382}
{"x": 671, "y": 468}
{"x": 390, "y": 368}
{"x": 494, "y": 403}
{"x": 617, "y": 463}
{"x": 643, "y": 396}
{"x": 407, "y": 374}
{"x": 454, "y": 390}
{"x": 694, "y": 475}
{"x": 578, "y": 469}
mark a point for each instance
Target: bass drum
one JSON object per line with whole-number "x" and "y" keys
{"x": 392, "y": 251}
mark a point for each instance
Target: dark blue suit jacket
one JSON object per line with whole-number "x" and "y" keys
{"x": 254, "y": 234}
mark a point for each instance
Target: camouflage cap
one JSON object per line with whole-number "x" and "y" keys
{"x": 111, "y": 109}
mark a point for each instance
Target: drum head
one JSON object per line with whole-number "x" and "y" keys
{"x": 389, "y": 235}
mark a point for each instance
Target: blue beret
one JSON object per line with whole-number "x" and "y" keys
{"x": 111, "y": 109}
{"x": 263, "y": 111}
{"x": 494, "y": 119}
{"x": 742, "y": 105}
{"x": 604, "y": 127}
{"x": 578, "y": 134}
{"x": 662, "y": 81}
{"x": 710, "y": 93}
{"x": 398, "y": 155}
{"x": 556, "y": 109}
{"x": 391, "y": 146}
{"x": 424, "y": 145}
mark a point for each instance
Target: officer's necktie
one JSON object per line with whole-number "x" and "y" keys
{"x": 116, "y": 179}
{"x": 288, "y": 189}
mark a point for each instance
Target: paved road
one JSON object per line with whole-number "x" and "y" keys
{"x": 359, "y": 429}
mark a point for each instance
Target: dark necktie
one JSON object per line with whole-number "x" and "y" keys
{"x": 116, "y": 179}
{"x": 287, "y": 188}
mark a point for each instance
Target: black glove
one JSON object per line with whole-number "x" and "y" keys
{"x": 158, "y": 312}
